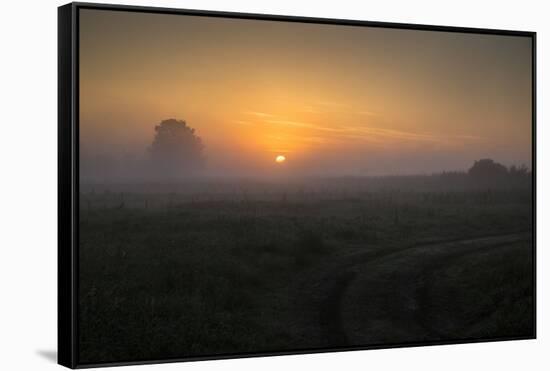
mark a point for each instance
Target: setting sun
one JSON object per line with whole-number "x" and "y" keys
{"x": 280, "y": 159}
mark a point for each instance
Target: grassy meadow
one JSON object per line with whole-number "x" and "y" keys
{"x": 213, "y": 268}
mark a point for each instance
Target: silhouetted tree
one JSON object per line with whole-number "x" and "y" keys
{"x": 519, "y": 171}
{"x": 176, "y": 149}
{"x": 487, "y": 169}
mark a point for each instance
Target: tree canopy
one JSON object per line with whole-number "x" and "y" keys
{"x": 176, "y": 149}
{"x": 487, "y": 168}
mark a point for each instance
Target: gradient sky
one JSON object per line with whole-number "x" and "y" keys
{"x": 332, "y": 99}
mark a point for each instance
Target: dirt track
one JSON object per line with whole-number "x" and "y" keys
{"x": 376, "y": 297}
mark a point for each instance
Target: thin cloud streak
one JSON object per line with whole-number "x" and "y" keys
{"x": 259, "y": 114}
{"x": 367, "y": 132}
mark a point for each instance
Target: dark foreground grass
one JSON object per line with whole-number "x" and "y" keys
{"x": 206, "y": 277}
{"x": 490, "y": 294}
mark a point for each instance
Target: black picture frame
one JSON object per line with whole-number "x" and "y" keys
{"x": 68, "y": 170}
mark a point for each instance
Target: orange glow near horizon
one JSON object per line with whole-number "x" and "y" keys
{"x": 354, "y": 99}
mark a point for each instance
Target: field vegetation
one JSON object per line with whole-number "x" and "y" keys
{"x": 229, "y": 266}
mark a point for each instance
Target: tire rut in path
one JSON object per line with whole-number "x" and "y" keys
{"x": 345, "y": 273}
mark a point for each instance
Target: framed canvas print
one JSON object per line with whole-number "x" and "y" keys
{"x": 235, "y": 185}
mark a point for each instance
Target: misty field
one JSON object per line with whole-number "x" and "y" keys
{"x": 211, "y": 268}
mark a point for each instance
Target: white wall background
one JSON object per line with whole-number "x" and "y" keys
{"x": 28, "y": 155}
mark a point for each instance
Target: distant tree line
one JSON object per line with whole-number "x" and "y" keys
{"x": 176, "y": 153}
{"x": 487, "y": 168}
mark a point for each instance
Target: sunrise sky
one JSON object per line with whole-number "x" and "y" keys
{"x": 330, "y": 99}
